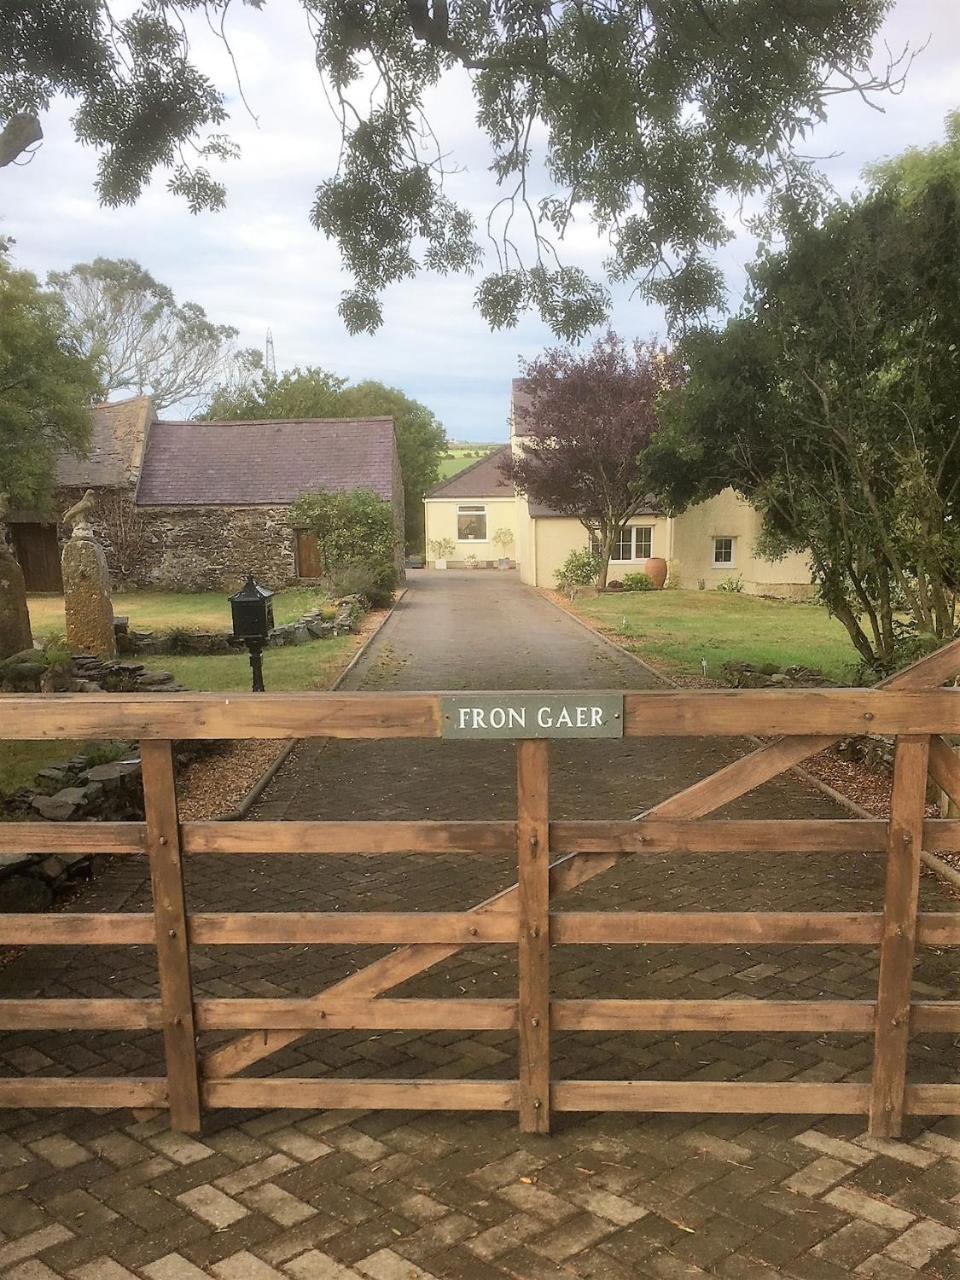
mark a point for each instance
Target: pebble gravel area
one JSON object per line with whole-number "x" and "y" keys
{"x": 214, "y": 785}
{"x": 300, "y": 1195}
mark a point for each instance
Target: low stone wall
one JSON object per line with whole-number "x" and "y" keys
{"x": 313, "y": 625}
{"x": 749, "y": 675}
{"x": 74, "y": 790}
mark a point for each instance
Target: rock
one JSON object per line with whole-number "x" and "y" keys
{"x": 9, "y": 862}
{"x": 86, "y": 598}
{"x": 62, "y": 806}
{"x": 25, "y": 893}
{"x": 51, "y": 868}
{"x": 54, "y": 773}
{"x": 111, "y": 775}
{"x": 15, "y": 633}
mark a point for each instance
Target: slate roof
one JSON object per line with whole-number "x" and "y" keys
{"x": 520, "y": 401}
{"x": 482, "y": 479}
{"x": 116, "y": 444}
{"x": 237, "y": 464}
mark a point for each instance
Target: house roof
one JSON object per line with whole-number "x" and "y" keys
{"x": 236, "y": 464}
{"x": 482, "y": 479}
{"x": 539, "y": 510}
{"x": 116, "y": 446}
{"x": 520, "y": 402}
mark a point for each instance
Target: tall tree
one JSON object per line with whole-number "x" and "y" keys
{"x": 139, "y": 337}
{"x": 314, "y": 393}
{"x": 46, "y": 388}
{"x": 831, "y": 403}
{"x": 645, "y": 118}
{"x": 590, "y": 416}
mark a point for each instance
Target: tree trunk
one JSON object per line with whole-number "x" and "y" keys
{"x": 856, "y": 633}
{"x": 606, "y": 551}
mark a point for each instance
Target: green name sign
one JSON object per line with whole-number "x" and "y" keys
{"x": 532, "y": 715}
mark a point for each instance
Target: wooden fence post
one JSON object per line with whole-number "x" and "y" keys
{"x": 905, "y": 842}
{"x": 170, "y": 920}
{"x": 533, "y": 879}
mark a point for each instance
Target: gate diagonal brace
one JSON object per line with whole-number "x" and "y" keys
{"x": 696, "y": 801}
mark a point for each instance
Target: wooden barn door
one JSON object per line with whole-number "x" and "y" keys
{"x": 308, "y": 555}
{"x": 38, "y": 551}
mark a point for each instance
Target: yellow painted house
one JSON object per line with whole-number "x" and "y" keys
{"x": 711, "y": 542}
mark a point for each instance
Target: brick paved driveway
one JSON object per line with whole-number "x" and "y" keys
{"x": 391, "y": 1196}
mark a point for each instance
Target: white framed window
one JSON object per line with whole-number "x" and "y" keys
{"x": 635, "y": 542}
{"x": 623, "y": 545}
{"x": 724, "y": 552}
{"x": 471, "y": 523}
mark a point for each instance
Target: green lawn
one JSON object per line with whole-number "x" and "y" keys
{"x": 301, "y": 666}
{"x": 160, "y": 610}
{"x": 674, "y": 630}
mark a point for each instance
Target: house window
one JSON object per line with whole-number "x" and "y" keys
{"x": 623, "y": 546}
{"x": 635, "y": 542}
{"x": 471, "y": 524}
{"x": 723, "y": 552}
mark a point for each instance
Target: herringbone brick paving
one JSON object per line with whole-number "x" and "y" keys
{"x": 395, "y": 1196}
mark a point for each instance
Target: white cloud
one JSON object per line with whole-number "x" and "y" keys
{"x": 260, "y": 263}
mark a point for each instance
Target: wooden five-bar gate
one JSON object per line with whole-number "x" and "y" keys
{"x": 552, "y": 858}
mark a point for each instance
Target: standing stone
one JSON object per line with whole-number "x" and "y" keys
{"x": 15, "y": 634}
{"x": 86, "y": 588}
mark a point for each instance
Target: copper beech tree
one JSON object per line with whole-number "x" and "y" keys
{"x": 587, "y": 417}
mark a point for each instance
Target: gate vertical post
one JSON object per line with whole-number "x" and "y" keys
{"x": 170, "y": 922}
{"x": 904, "y": 845}
{"x": 533, "y": 882}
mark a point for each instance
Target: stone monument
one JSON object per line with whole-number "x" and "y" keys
{"x": 86, "y": 585}
{"x": 15, "y": 633}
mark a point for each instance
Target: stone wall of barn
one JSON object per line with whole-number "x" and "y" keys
{"x": 213, "y": 548}
{"x": 196, "y": 548}
{"x": 190, "y": 548}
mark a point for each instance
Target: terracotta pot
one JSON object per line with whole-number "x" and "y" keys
{"x": 656, "y": 570}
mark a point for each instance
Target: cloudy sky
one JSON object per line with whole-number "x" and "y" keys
{"x": 259, "y": 263}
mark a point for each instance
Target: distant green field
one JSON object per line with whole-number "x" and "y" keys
{"x": 460, "y": 456}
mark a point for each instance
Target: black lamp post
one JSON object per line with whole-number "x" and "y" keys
{"x": 252, "y": 623}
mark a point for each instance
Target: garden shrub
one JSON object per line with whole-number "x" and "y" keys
{"x": 637, "y": 582}
{"x": 674, "y": 576}
{"x": 580, "y": 569}
{"x": 734, "y": 583}
{"x": 358, "y": 578}
{"x": 357, "y": 540}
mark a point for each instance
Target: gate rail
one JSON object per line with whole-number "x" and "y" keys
{"x": 808, "y": 720}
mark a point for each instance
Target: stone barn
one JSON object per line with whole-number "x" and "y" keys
{"x": 191, "y": 506}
